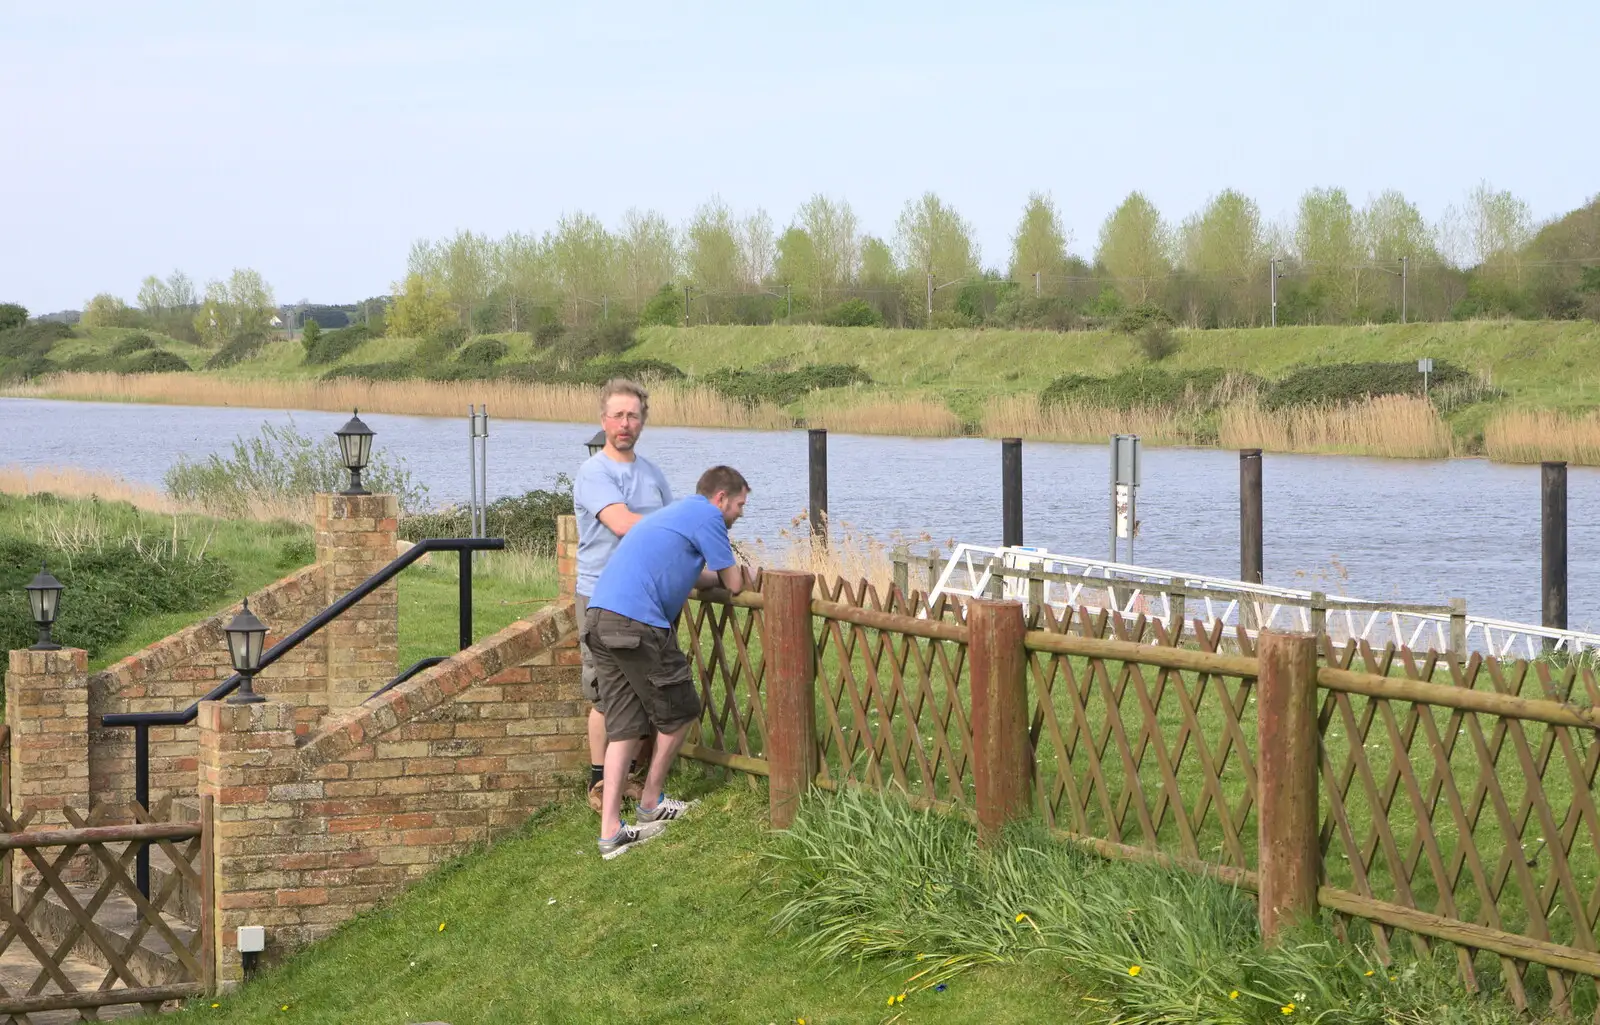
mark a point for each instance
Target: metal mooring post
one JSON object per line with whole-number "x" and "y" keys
{"x": 818, "y": 438}
{"x": 1011, "y": 491}
{"x": 1250, "y": 549}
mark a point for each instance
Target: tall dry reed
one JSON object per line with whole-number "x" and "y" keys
{"x": 1528, "y": 436}
{"x": 1022, "y": 416}
{"x": 1396, "y": 426}
{"x": 850, "y": 554}
{"x": 914, "y": 417}
{"x": 671, "y": 405}
{"x": 72, "y": 482}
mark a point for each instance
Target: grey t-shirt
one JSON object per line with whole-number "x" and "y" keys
{"x": 639, "y": 485}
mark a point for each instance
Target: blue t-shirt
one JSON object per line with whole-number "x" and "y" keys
{"x": 655, "y": 567}
{"x": 638, "y": 485}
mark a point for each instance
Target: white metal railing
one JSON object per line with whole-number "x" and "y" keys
{"x": 1066, "y": 581}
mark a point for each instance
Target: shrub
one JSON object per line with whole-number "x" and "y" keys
{"x": 607, "y": 338}
{"x": 33, "y": 339}
{"x": 949, "y": 320}
{"x": 1351, "y": 382}
{"x": 138, "y": 342}
{"x": 450, "y": 338}
{"x": 1045, "y": 313}
{"x": 549, "y": 371}
{"x": 12, "y": 315}
{"x": 1157, "y": 341}
{"x": 783, "y": 387}
{"x": 240, "y": 348}
{"x": 852, "y": 313}
{"x": 310, "y": 334}
{"x": 154, "y": 362}
{"x": 1149, "y": 386}
{"x": 527, "y": 522}
{"x": 394, "y": 370}
{"x": 1134, "y": 321}
{"x": 548, "y": 332}
{"x": 664, "y": 308}
{"x": 333, "y": 346}
{"x": 280, "y": 465}
{"x": 485, "y": 352}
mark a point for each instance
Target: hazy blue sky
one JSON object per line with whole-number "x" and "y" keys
{"x": 315, "y": 141}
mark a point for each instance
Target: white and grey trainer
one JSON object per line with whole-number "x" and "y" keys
{"x": 666, "y": 810}
{"x": 629, "y": 837}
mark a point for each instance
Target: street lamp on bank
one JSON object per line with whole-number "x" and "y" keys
{"x": 247, "y": 634}
{"x": 596, "y": 443}
{"x": 355, "y": 449}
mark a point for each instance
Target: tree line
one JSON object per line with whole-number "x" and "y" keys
{"x": 1331, "y": 262}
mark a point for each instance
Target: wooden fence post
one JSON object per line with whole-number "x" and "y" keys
{"x": 1002, "y": 757}
{"x": 1457, "y": 649}
{"x": 901, "y": 560}
{"x": 789, "y": 652}
{"x": 1287, "y": 753}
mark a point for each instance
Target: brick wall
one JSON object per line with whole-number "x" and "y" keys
{"x": 170, "y": 674}
{"x": 47, "y": 708}
{"x": 313, "y": 830}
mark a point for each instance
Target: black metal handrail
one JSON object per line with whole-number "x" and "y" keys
{"x": 142, "y": 721}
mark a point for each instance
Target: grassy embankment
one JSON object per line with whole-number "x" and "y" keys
{"x": 942, "y": 383}
{"x": 139, "y": 566}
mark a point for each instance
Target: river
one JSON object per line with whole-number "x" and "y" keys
{"x": 1413, "y": 530}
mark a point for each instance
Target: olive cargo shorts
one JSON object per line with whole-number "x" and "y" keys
{"x": 642, "y": 676}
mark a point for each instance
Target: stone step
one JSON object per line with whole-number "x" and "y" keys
{"x": 152, "y": 961}
{"x": 19, "y": 973}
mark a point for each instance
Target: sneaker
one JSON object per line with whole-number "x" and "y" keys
{"x": 665, "y": 810}
{"x": 631, "y": 791}
{"x": 630, "y": 836}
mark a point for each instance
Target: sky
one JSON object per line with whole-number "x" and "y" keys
{"x": 316, "y": 141}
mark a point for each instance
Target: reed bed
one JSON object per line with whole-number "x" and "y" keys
{"x": 75, "y": 483}
{"x": 1396, "y": 426}
{"x": 1528, "y": 436}
{"x": 849, "y": 554}
{"x": 1022, "y": 416}
{"x": 671, "y": 405}
{"x": 914, "y": 417}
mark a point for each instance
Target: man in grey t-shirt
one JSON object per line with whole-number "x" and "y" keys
{"x": 616, "y": 488}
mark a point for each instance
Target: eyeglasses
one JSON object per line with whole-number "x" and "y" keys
{"x": 625, "y": 418}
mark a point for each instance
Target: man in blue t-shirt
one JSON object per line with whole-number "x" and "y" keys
{"x": 616, "y": 487}
{"x": 643, "y": 677}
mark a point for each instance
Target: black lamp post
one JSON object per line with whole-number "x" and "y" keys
{"x": 355, "y": 448}
{"x": 246, "y": 636}
{"x": 44, "y": 594}
{"x": 596, "y": 443}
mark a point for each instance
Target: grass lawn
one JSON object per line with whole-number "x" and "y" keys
{"x": 539, "y": 929}
{"x": 506, "y": 587}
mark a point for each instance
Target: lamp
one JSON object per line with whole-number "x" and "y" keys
{"x": 596, "y": 443}
{"x": 246, "y": 636}
{"x": 355, "y": 448}
{"x": 44, "y": 594}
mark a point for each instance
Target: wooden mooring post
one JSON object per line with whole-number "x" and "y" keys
{"x": 1002, "y": 758}
{"x": 817, "y": 506}
{"x": 1250, "y": 549}
{"x": 1287, "y": 749}
{"x": 1011, "y": 491}
{"x": 1553, "y": 544}
{"x": 790, "y": 653}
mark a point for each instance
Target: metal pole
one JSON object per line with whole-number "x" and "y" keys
{"x": 1036, "y": 284}
{"x": 1251, "y": 560}
{"x": 1553, "y": 494}
{"x": 1011, "y": 491}
{"x": 1274, "y": 292}
{"x": 472, "y": 456}
{"x": 1113, "y": 498}
{"x": 1404, "y": 262}
{"x": 685, "y": 305}
{"x": 464, "y": 598}
{"x": 483, "y": 475}
{"x": 788, "y": 298}
{"x": 930, "y": 294}
{"x": 1133, "y": 519}
{"x": 819, "y": 484}
{"x": 141, "y": 796}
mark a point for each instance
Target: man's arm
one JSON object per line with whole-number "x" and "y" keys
{"x": 618, "y": 518}
{"x": 731, "y": 578}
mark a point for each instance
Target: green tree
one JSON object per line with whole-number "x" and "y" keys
{"x": 1135, "y": 248}
{"x": 1039, "y": 245}
{"x": 1224, "y": 247}
{"x": 756, "y": 247}
{"x": 251, "y": 300}
{"x": 107, "y": 310}
{"x": 835, "y": 238}
{"x": 712, "y": 247}
{"x": 421, "y": 307}
{"x": 466, "y": 266}
{"x": 797, "y": 264}
{"x": 583, "y": 254}
{"x": 647, "y": 255}
{"x": 878, "y": 268}
{"x": 310, "y": 333}
{"x": 1392, "y": 227}
{"x": 933, "y": 241}
{"x": 12, "y": 315}
{"x": 524, "y": 279}
{"x": 1327, "y": 239}
{"x": 1500, "y": 226}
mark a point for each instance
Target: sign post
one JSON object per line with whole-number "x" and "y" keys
{"x": 1124, "y": 489}
{"x": 1425, "y": 368}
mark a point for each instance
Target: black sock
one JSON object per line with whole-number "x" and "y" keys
{"x": 596, "y": 774}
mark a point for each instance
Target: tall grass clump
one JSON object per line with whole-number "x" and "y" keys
{"x": 912, "y": 417}
{"x": 1397, "y": 426}
{"x": 1530, "y": 436}
{"x": 864, "y": 879}
{"x": 527, "y": 522}
{"x": 848, "y": 554}
{"x": 1070, "y": 420}
{"x": 282, "y": 469}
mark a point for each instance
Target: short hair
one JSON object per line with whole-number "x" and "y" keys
{"x": 623, "y": 386}
{"x": 721, "y": 479}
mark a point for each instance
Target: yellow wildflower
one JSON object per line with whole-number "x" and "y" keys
{"x": 441, "y": 927}
{"x": 215, "y": 1006}
{"x": 1021, "y": 915}
{"x": 1286, "y": 1009}
{"x": 285, "y": 1007}
{"x": 1134, "y": 970}
{"x": 900, "y": 999}
{"x": 1369, "y": 973}
{"x": 1233, "y": 995}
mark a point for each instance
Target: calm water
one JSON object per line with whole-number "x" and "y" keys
{"x": 1374, "y": 528}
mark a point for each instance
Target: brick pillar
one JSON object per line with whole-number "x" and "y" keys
{"x": 246, "y": 753}
{"x": 47, "y": 708}
{"x": 356, "y": 537}
{"x": 566, "y": 556}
